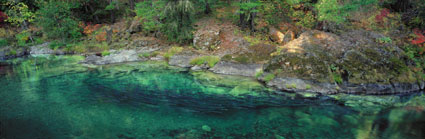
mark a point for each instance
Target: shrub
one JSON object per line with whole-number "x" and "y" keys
{"x": 337, "y": 78}
{"x": 100, "y": 37}
{"x": 12, "y": 52}
{"x": 3, "y": 42}
{"x": 55, "y": 17}
{"x": 55, "y": 45}
{"x": 90, "y": 29}
{"x": 210, "y": 60}
{"x": 19, "y": 14}
{"x": 22, "y": 38}
{"x": 384, "y": 40}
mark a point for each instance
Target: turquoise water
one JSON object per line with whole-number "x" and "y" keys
{"x": 55, "y": 97}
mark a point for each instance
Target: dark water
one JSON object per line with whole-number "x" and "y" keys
{"x": 55, "y": 97}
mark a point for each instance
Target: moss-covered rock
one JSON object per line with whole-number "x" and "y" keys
{"x": 352, "y": 63}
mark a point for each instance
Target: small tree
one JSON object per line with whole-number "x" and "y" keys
{"x": 150, "y": 13}
{"x": 178, "y": 20}
{"x": 57, "y": 21}
{"x": 19, "y": 14}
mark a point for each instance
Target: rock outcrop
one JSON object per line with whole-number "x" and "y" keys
{"x": 354, "y": 62}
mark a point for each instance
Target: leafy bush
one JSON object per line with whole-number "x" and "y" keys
{"x": 3, "y": 42}
{"x": 12, "y": 52}
{"x": 23, "y": 38}
{"x": 384, "y": 40}
{"x": 332, "y": 10}
{"x": 19, "y": 14}
{"x": 210, "y": 60}
{"x": 55, "y": 17}
{"x": 56, "y": 44}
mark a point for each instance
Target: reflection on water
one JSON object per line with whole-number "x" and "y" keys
{"x": 55, "y": 97}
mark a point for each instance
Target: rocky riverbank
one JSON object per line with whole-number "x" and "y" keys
{"x": 316, "y": 62}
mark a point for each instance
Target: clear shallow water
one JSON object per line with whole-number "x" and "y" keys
{"x": 55, "y": 97}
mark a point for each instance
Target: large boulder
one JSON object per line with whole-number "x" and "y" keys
{"x": 353, "y": 62}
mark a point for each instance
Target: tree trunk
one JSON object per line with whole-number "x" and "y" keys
{"x": 131, "y": 2}
{"x": 95, "y": 16}
{"x": 207, "y": 7}
{"x": 402, "y": 5}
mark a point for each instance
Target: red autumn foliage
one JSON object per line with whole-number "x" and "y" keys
{"x": 101, "y": 36}
{"x": 3, "y": 17}
{"x": 380, "y": 17}
{"x": 419, "y": 37}
{"x": 89, "y": 29}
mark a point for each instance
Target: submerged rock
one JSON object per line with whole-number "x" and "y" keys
{"x": 353, "y": 62}
{"x": 206, "y": 128}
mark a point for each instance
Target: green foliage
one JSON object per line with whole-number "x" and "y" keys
{"x": 19, "y": 14}
{"x": 384, "y": 40}
{"x": 172, "y": 51}
{"x": 56, "y": 44}
{"x": 3, "y": 42}
{"x": 307, "y": 86}
{"x": 150, "y": 13}
{"x": 269, "y": 77}
{"x": 22, "y": 38}
{"x": 105, "y": 53}
{"x": 334, "y": 11}
{"x": 57, "y": 21}
{"x": 337, "y": 77}
{"x": 413, "y": 52}
{"x": 291, "y": 86}
{"x": 12, "y": 52}
{"x": 210, "y": 60}
{"x": 306, "y": 20}
{"x": 259, "y": 73}
{"x": 248, "y": 7}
